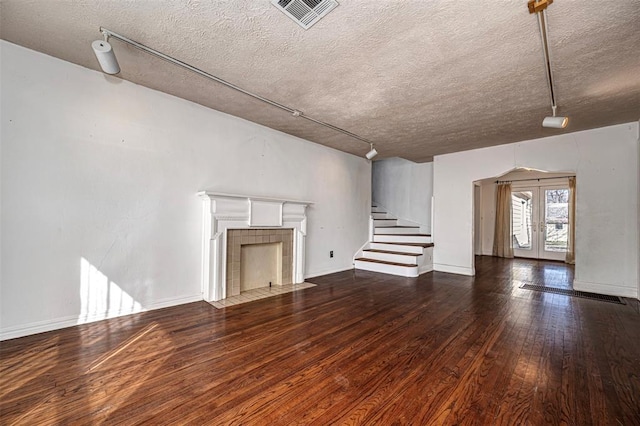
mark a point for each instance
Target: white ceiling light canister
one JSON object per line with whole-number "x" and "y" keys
{"x": 106, "y": 57}
{"x": 372, "y": 153}
{"x": 555, "y": 122}
{"x": 538, "y": 7}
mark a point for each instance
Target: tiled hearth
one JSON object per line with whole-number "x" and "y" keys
{"x": 236, "y": 238}
{"x": 260, "y": 293}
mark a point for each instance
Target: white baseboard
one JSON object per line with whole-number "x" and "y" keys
{"x": 611, "y": 290}
{"x": 70, "y": 321}
{"x": 327, "y": 272}
{"x": 37, "y": 327}
{"x": 174, "y": 301}
{"x": 452, "y": 269}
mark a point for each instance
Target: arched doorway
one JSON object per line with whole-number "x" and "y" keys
{"x": 540, "y": 206}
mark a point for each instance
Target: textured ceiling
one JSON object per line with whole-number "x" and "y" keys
{"x": 418, "y": 78}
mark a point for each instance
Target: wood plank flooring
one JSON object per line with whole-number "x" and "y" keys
{"x": 360, "y": 348}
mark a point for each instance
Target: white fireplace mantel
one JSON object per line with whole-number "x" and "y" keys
{"x": 222, "y": 212}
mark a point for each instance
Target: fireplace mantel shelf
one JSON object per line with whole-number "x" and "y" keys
{"x": 212, "y": 194}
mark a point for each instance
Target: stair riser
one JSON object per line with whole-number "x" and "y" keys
{"x": 377, "y": 210}
{"x": 394, "y": 247}
{"x": 385, "y": 222}
{"x": 387, "y": 257}
{"x": 396, "y": 230}
{"x": 403, "y": 271}
{"x": 382, "y": 216}
{"x": 400, "y": 239}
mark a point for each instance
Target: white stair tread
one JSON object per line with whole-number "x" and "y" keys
{"x": 392, "y": 252}
{"x": 409, "y": 248}
{"x": 402, "y": 238}
{"x": 383, "y": 223}
{"x": 425, "y": 245}
{"x": 408, "y": 235}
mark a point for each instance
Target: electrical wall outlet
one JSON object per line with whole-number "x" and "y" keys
{"x": 331, "y": 253}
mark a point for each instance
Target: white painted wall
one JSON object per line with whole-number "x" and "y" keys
{"x": 606, "y": 164}
{"x": 404, "y": 188}
{"x": 99, "y": 210}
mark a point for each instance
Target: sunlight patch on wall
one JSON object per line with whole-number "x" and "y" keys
{"x": 101, "y": 298}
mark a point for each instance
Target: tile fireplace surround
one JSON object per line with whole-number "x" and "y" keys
{"x": 273, "y": 218}
{"x": 236, "y": 238}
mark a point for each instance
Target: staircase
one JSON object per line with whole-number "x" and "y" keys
{"x": 396, "y": 248}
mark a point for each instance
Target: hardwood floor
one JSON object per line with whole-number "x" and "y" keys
{"x": 360, "y": 348}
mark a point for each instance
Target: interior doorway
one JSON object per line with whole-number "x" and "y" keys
{"x": 538, "y": 200}
{"x": 540, "y": 221}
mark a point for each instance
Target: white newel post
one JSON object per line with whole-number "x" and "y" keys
{"x": 222, "y": 212}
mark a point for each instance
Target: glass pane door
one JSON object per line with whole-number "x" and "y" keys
{"x": 555, "y": 223}
{"x": 523, "y": 223}
{"x": 540, "y": 221}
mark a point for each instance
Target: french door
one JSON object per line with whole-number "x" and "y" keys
{"x": 540, "y": 221}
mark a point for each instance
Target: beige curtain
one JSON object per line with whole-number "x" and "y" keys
{"x": 503, "y": 235}
{"x": 571, "y": 236}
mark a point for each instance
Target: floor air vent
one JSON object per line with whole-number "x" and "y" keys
{"x": 305, "y": 12}
{"x": 574, "y": 293}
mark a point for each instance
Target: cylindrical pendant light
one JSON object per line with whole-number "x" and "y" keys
{"x": 371, "y": 153}
{"x": 106, "y": 57}
{"x": 555, "y": 122}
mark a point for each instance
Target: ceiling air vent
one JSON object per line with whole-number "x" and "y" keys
{"x": 305, "y": 12}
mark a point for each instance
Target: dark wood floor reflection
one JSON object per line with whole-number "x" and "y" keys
{"x": 360, "y": 348}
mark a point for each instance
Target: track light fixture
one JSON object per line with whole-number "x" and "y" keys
{"x": 555, "y": 122}
{"x": 106, "y": 57}
{"x": 372, "y": 153}
{"x": 538, "y": 7}
{"x": 109, "y": 65}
